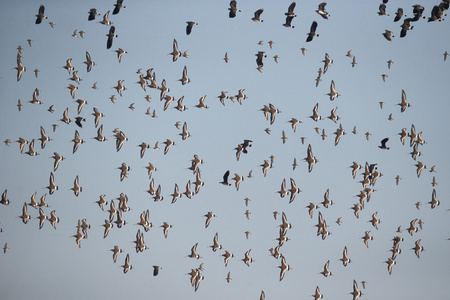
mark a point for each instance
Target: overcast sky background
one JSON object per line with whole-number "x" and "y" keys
{"x": 48, "y": 263}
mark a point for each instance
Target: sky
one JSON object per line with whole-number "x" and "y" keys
{"x": 45, "y": 262}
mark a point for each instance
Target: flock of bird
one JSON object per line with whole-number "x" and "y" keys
{"x": 119, "y": 207}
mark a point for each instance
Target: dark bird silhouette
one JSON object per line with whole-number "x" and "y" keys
{"x": 257, "y": 17}
{"x": 288, "y": 22}
{"x": 118, "y": 6}
{"x": 312, "y": 32}
{"x": 110, "y": 36}
{"x": 189, "y": 26}
{"x": 233, "y": 9}
{"x": 399, "y": 14}
{"x": 78, "y": 121}
{"x": 383, "y": 144}
{"x": 225, "y": 178}
{"x": 388, "y": 35}
{"x": 405, "y": 27}
{"x": 92, "y": 14}
{"x": 40, "y": 14}
{"x": 259, "y": 58}
{"x": 290, "y": 12}
{"x": 156, "y": 270}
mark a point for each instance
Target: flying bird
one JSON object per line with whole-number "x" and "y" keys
{"x": 111, "y": 35}
{"x": 312, "y": 32}
{"x": 383, "y": 144}
{"x": 40, "y": 16}
{"x": 189, "y": 26}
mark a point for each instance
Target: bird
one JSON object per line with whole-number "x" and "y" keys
{"x": 247, "y": 259}
{"x": 321, "y": 10}
{"x": 354, "y": 63}
{"x": 120, "y": 52}
{"x": 76, "y": 187}
{"x": 156, "y": 270}
{"x": 356, "y": 292}
{"x": 310, "y": 159}
{"x": 283, "y": 267}
{"x": 345, "y": 260}
{"x": 225, "y": 178}
{"x": 404, "y": 104}
{"x": 228, "y": 278}
{"x": 166, "y": 227}
{"x": 25, "y": 216}
{"x": 326, "y": 272}
{"x": 76, "y": 141}
{"x": 126, "y": 266}
{"x": 31, "y": 150}
{"x": 233, "y": 9}
{"x": 294, "y": 190}
{"x": 53, "y": 219}
{"x": 189, "y": 26}
{"x": 117, "y": 6}
{"x": 20, "y": 69}
{"x": 388, "y": 35}
{"x": 290, "y": 12}
{"x": 417, "y": 248}
{"x": 184, "y": 79}
{"x": 315, "y": 116}
{"x": 382, "y": 10}
{"x": 333, "y": 94}
{"x": 383, "y": 144}
{"x": 389, "y": 62}
{"x": 92, "y": 14}
{"x": 312, "y": 32}
{"x": 105, "y": 20}
{"x": 209, "y": 217}
{"x": 434, "y": 202}
{"x": 40, "y": 16}
{"x": 175, "y": 53}
{"x": 111, "y": 35}
{"x": 257, "y": 16}
{"x": 194, "y": 252}
{"x": 317, "y": 295}
{"x": 216, "y": 246}
{"x": 390, "y": 262}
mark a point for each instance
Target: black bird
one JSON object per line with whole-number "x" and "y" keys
{"x": 189, "y": 26}
{"x": 388, "y": 35}
{"x": 290, "y": 12}
{"x": 246, "y": 144}
{"x": 405, "y": 27}
{"x": 418, "y": 12}
{"x": 383, "y": 144}
{"x": 436, "y": 14}
{"x": 117, "y": 7}
{"x": 233, "y": 9}
{"x": 321, "y": 11}
{"x": 92, "y": 14}
{"x": 78, "y": 121}
{"x": 257, "y": 17}
{"x": 156, "y": 270}
{"x": 382, "y": 10}
{"x": 110, "y": 36}
{"x": 225, "y": 178}
{"x": 288, "y": 22}
{"x": 399, "y": 14}
{"x": 312, "y": 32}
{"x": 259, "y": 58}
{"x": 40, "y": 15}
